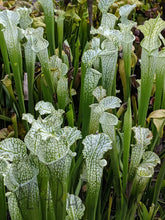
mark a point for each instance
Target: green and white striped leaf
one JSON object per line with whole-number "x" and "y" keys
{"x": 46, "y": 4}
{"x": 109, "y": 55}
{"x": 51, "y": 144}
{"x": 112, "y": 35}
{"x": 53, "y": 121}
{"x": 108, "y": 122}
{"x": 57, "y": 69}
{"x": 150, "y": 45}
{"x": 99, "y": 93}
{"x": 35, "y": 38}
{"x": 74, "y": 207}
{"x": 56, "y": 63}
{"x": 97, "y": 114}
{"x": 104, "y": 5}
{"x": 38, "y": 42}
{"x": 28, "y": 117}
{"x": 108, "y": 21}
{"x": 45, "y": 126}
{"x": 143, "y": 174}
{"x": 124, "y": 11}
{"x": 56, "y": 148}
{"x": 127, "y": 44}
{"x": 145, "y": 171}
{"x": 21, "y": 172}
{"x": 94, "y": 148}
{"x": 127, "y": 37}
{"x": 59, "y": 174}
{"x": 48, "y": 8}
{"x": 11, "y": 148}
{"x": 25, "y": 19}
{"x": 146, "y": 168}
{"x": 22, "y": 181}
{"x": 39, "y": 46}
{"x": 95, "y": 45}
{"x": 4, "y": 166}
{"x": 38, "y": 136}
{"x": 44, "y": 108}
{"x": 109, "y": 119}
{"x": 46, "y": 138}
{"x": 15, "y": 212}
{"x": 150, "y": 159}
{"x": 126, "y": 30}
{"x": 143, "y": 138}
{"x": 61, "y": 16}
{"x": 91, "y": 80}
{"x": 108, "y": 45}
{"x": 62, "y": 92}
{"x": 151, "y": 30}
{"x": 110, "y": 102}
{"x": 72, "y": 134}
{"x": 89, "y": 57}
{"x": 30, "y": 58}
{"x": 160, "y": 78}
{"x": 9, "y": 20}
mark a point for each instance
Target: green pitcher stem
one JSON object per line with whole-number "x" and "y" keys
{"x": 43, "y": 186}
{"x": 3, "y": 205}
{"x": 60, "y": 30}
{"x": 44, "y": 60}
{"x": 48, "y": 8}
{"x": 4, "y": 54}
{"x": 126, "y": 143}
{"x": 59, "y": 193}
{"x": 148, "y": 70}
{"x": 91, "y": 204}
{"x": 127, "y": 66}
{"x": 30, "y": 57}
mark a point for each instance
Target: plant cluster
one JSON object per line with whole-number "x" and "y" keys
{"x": 85, "y": 149}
